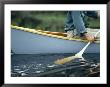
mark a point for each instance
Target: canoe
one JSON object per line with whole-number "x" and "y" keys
{"x": 31, "y": 41}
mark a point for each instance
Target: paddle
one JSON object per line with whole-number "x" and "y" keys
{"x": 78, "y": 55}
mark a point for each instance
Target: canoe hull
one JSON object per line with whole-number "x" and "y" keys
{"x": 28, "y": 43}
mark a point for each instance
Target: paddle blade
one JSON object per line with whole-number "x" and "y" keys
{"x": 64, "y": 60}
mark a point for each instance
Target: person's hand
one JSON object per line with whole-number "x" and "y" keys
{"x": 89, "y": 37}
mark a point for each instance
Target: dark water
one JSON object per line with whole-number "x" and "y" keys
{"x": 31, "y": 65}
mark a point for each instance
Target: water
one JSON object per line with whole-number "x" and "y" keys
{"x": 32, "y": 65}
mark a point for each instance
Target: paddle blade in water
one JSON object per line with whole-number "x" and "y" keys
{"x": 64, "y": 60}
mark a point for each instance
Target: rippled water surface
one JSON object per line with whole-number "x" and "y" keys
{"x": 31, "y": 65}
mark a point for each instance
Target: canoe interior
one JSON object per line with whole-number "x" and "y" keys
{"x": 54, "y": 33}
